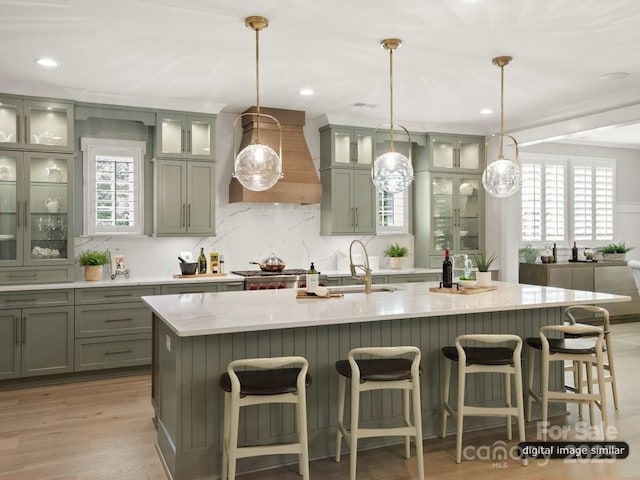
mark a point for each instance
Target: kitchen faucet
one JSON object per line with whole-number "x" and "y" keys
{"x": 365, "y": 268}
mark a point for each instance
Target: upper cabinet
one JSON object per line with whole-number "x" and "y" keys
{"x": 185, "y": 136}
{"x": 346, "y": 147}
{"x": 37, "y": 125}
{"x": 456, "y": 153}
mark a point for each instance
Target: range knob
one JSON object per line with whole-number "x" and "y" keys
{"x": 253, "y": 287}
{"x": 263, "y": 287}
{"x": 282, "y": 285}
{"x": 272, "y": 286}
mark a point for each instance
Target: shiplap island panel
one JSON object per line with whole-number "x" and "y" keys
{"x": 195, "y": 336}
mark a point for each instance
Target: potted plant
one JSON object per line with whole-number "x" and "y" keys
{"x": 483, "y": 262}
{"x": 396, "y": 253}
{"x": 529, "y": 253}
{"x": 614, "y": 251}
{"x": 92, "y": 261}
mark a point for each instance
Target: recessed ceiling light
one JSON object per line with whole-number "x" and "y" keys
{"x": 47, "y": 62}
{"x": 306, "y": 92}
{"x": 486, "y": 111}
{"x": 614, "y": 76}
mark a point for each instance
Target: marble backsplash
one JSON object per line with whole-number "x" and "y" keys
{"x": 245, "y": 233}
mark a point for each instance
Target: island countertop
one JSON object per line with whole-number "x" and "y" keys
{"x": 228, "y": 312}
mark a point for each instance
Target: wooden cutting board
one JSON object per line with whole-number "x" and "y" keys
{"x": 201, "y": 275}
{"x": 303, "y": 294}
{"x": 463, "y": 290}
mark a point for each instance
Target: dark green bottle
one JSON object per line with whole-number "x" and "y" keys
{"x": 202, "y": 262}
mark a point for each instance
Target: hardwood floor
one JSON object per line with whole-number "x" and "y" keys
{"x": 102, "y": 430}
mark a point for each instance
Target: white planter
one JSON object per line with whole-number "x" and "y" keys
{"x": 484, "y": 279}
{"x": 93, "y": 272}
{"x": 395, "y": 263}
{"x": 620, "y": 257}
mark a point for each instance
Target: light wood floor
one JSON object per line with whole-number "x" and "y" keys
{"x": 102, "y": 430}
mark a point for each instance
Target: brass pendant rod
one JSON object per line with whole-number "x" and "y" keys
{"x": 500, "y": 153}
{"x": 391, "y": 98}
{"x": 258, "y": 83}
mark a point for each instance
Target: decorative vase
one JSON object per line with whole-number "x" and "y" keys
{"x": 396, "y": 263}
{"x": 530, "y": 256}
{"x": 614, "y": 257}
{"x": 484, "y": 279}
{"x": 92, "y": 272}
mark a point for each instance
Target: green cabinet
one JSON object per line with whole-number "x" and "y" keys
{"x": 456, "y": 153}
{"x": 185, "y": 136}
{"x": 36, "y": 125}
{"x": 348, "y": 202}
{"x": 184, "y": 197}
{"x": 36, "y": 333}
{"x": 451, "y": 216}
{"x": 342, "y": 146}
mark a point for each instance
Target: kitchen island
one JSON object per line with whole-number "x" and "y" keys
{"x": 195, "y": 336}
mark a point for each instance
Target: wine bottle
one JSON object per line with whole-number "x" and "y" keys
{"x": 574, "y": 252}
{"x": 202, "y": 262}
{"x": 447, "y": 271}
{"x": 312, "y": 279}
{"x": 554, "y": 253}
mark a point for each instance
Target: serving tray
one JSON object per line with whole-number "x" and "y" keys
{"x": 304, "y": 294}
{"x": 200, "y": 275}
{"x": 462, "y": 290}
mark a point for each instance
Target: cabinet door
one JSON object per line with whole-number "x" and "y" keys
{"x": 469, "y": 227}
{"x": 364, "y": 202}
{"x": 47, "y": 342}
{"x": 10, "y": 341}
{"x": 363, "y": 148}
{"x": 454, "y": 153}
{"x": 200, "y": 137}
{"x": 171, "y": 135}
{"x": 48, "y": 227}
{"x": 49, "y": 125}
{"x": 470, "y": 153}
{"x": 351, "y": 147}
{"x": 442, "y": 213}
{"x": 342, "y": 210}
{"x": 11, "y": 122}
{"x": 201, "y": 198}
{"x": 233, "y": 286}
{"x": 170, "y": 197}
{"x": 12, "y": 208}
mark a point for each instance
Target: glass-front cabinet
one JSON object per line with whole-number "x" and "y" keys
{"x": 347, "y": 146}
{"x": 456, "y": 213}
{"x": 456, "y": 153}
{"x": 37, "y": 125}
{"x": 35, "y": 208}
{"x": 185, "y": 136}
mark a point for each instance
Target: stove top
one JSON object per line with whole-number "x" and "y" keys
{"x": 260, "y": 273}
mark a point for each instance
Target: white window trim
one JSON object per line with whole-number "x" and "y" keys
{"x": 91, "y": 147}
{"x": 394, "y": 229}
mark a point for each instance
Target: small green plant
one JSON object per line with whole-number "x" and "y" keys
{"x": 529, "y": 253}
{"x": 94, "y": 257}
{"x": 484, "y": 261}
{"x": 396, "y": 250}
{"x": 470, "y": 277}
{"x": 615, "y": 248}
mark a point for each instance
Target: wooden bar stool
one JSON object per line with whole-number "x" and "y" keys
{"x": 268, "y": 382}
{"x": 474, "y": 359}
{"x": 577, "y": 343}
{"x": 388, "y": 370}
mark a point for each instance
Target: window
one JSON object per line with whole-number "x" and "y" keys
{"x": 567, "y": 199}
{"x": 391, "y": 210}
{"x": 113, "y": 186}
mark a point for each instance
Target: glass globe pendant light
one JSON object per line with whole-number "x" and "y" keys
{"x": 392, "y": 172}
{"x": 502, "y": 177}
{"x": 257, "y": 166}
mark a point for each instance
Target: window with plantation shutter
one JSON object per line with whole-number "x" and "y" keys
{"x": 392, "y": 212}
{"x": 565, "y": 199}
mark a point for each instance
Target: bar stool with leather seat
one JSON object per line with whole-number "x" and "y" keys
{"x": 575, "y": 343}
{"x": 267, "y": 382}
{"x": 480, "y": 359}
{"x": 389, "y": 368}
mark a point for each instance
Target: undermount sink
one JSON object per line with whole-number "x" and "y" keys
{"x": 360, "y": 289}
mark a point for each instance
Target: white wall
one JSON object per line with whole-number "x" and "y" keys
{"x": 246, "y": 232}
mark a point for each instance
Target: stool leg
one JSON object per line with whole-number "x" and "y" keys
{"x": 519, "y": 403}
{"x": 341, "y": 394}
{"x": 225, "y": 438}
{"x": 407, "y": 421}
{"x": 445, "y": 395}
{"x": 612, "y": 370}
{"x": 578, "y": 381}
{"x": 507, "y": 396}
{"x": 530, "y": 364}
{"x": 234, "y": 417}
{"x": 460, "y": 411}
{"x": 544, "y": 385}
{"x": 301, "y": 413}
{"x": 353, "y": 436}
{"x": 589, "y": 367}
{"x": 417, "y": 420}
{"x": 603, "y": 395}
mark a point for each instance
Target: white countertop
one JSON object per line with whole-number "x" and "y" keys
{"x": 216, "y": 313}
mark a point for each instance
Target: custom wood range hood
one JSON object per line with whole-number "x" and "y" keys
{"x": 300, "y": 183}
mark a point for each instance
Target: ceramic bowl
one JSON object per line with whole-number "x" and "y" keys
{"x": 468, "y": 283}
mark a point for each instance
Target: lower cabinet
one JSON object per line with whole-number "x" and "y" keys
{"x": 36, "y": 341}
{"x": 113, "y": 351}
{"x": 395, "y": 278}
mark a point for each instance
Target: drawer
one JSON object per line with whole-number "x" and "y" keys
{"x": 112, "y": 295}
{"x": 233, "y": 286}
{"x": 190, "y": 288}
{"x": 36, "y": 298}
{"x": 112, "y": 352}
{"x": 48, "y": 274}
{"x": 101, "y": 320}
{"x": 423, "y": 277}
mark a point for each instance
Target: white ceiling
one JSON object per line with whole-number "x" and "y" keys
{"x": 198, "y": 55}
